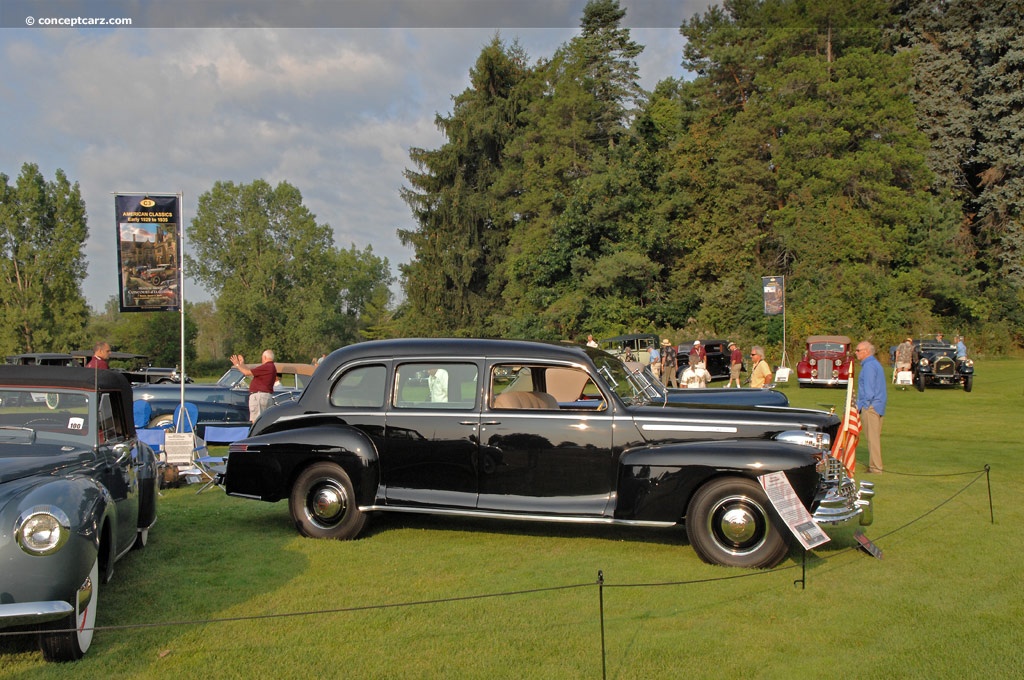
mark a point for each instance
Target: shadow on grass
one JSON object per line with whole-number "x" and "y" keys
{"x": 206, "y": 558}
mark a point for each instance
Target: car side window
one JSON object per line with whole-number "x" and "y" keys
{"x": 436, "y": 385}
{"x": 110, "y": 427}
{"x": 361, "y": 387}
{"x": 543, "y": 388}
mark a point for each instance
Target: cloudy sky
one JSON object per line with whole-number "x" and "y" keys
{"x": 328, "y": 95}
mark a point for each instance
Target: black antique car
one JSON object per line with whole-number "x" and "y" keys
{"x": 77, "y": 492}
{"x": 936, "y": 363}
{"x": 532, "y": 431}
{"x": 717, "y": 362}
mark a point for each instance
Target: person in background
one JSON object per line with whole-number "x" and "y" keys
{"x": 904, "y": 357}
{"x": 871, "y": 400}
{"x": 698, "y": 355}
{"x": 696, "y": 378}
{"x": 100, "y": 354}
{"x": 939, "y": 337}
{"x": 261, "y": 387}
{"x": 961, "y": 348}
{"x": 669, "y": 364}
{"x": 761, "y": 372}
{"x": 591, "y": 342}
{"x": 735, "y": 364}
{"x": 437, "y": 382}
{"x": 655, "y": 361}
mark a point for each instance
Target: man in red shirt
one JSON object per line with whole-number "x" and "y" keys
{"x": 735, "y": 364}
{"x": 100, "y": 354}
{"x": 262, "y": 384}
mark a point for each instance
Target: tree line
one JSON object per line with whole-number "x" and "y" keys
{"x": 868, "y": 151}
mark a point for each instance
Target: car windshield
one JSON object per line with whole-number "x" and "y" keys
{"x": 44, "y": 415}
{"x": 827, "y": 347}
{"x": 233, "y": 378}
{"x": 633, "y": 387}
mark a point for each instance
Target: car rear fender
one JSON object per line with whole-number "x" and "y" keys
{"x": 657, "y": 482}
{"x": 265, "y": 466}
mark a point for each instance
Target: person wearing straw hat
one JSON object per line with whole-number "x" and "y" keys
{"x": 669, "y": 363}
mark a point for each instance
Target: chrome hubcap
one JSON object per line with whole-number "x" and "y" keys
{"x": 327, "y": 503}
{"x": 739, "y": 524}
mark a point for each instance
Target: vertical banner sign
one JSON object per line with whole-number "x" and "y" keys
{"x": 774, "y": 294}
{"x": 148, "y": 257}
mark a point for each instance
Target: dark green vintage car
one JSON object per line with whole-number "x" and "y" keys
{"x": 78, "y": 490}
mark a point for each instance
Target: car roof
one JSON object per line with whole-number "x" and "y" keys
{"x": 68, "y": 377}
{"x": 456, "y": 348}
{"x": 829, "y": 338}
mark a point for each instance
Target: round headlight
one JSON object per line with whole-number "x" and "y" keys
{"x": 42, "y": 530}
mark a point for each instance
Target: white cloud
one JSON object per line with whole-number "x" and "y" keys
{"x": 333, "y": 112}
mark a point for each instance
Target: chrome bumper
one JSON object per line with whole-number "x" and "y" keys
{"x": 841, "y": 509}
{"x": 31, "y": 613}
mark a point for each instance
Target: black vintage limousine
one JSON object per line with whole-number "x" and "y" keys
{"x": 526, "y": 430}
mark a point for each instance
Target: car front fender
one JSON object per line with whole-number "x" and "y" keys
{"x": 53, "y": 576}
{"x": 657, "y": 482}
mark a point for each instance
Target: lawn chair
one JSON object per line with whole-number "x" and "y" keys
{"x": 216, "y": 466}
{"x": 182, "y": 447}
{"x": 154, "y": 436}
{"x": 142, "y": 412}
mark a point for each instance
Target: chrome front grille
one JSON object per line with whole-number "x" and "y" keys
{"x": 944, "y": 367}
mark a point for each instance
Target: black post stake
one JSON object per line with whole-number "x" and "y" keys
{"x": 803, "y": 573}
{"x": 988, "y": 480}
{"x": 600, "y": 591}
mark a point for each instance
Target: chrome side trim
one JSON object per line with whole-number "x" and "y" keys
{"x": 483, "y": 514}
{"x": 657, "y": 427}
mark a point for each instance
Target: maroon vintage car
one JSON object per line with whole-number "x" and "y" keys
{"x": 826, "y": 361}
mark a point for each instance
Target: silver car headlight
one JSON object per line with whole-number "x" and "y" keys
{"x": 42, "y": 530}
{"x": 818, "y": 440}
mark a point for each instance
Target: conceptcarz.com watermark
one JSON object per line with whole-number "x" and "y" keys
{"x": 73, "y": 22}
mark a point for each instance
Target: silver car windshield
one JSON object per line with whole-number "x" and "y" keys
{"x": 632, "y": 387}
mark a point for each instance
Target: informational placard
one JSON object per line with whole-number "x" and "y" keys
{"x": 148, "y": 252}
{"x": 785, "y": 501}
{"x": 774, "y": 290}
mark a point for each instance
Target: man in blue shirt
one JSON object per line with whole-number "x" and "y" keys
{"x": 871, "y": 399}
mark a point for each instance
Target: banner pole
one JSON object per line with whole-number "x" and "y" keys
{"x": 181, "y": 306}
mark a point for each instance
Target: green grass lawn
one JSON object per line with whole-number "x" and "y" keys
{"x": 241, "y": 593}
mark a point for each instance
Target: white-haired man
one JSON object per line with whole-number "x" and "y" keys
{"x": 261, "y": 387}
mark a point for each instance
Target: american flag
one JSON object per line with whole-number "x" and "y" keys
{"x": 844, "y": 449}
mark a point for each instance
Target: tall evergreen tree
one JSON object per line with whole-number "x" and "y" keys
{"x": 451, "y": 285}
{"x": 582, "y": 105}
{"x": 969, "y": 76}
